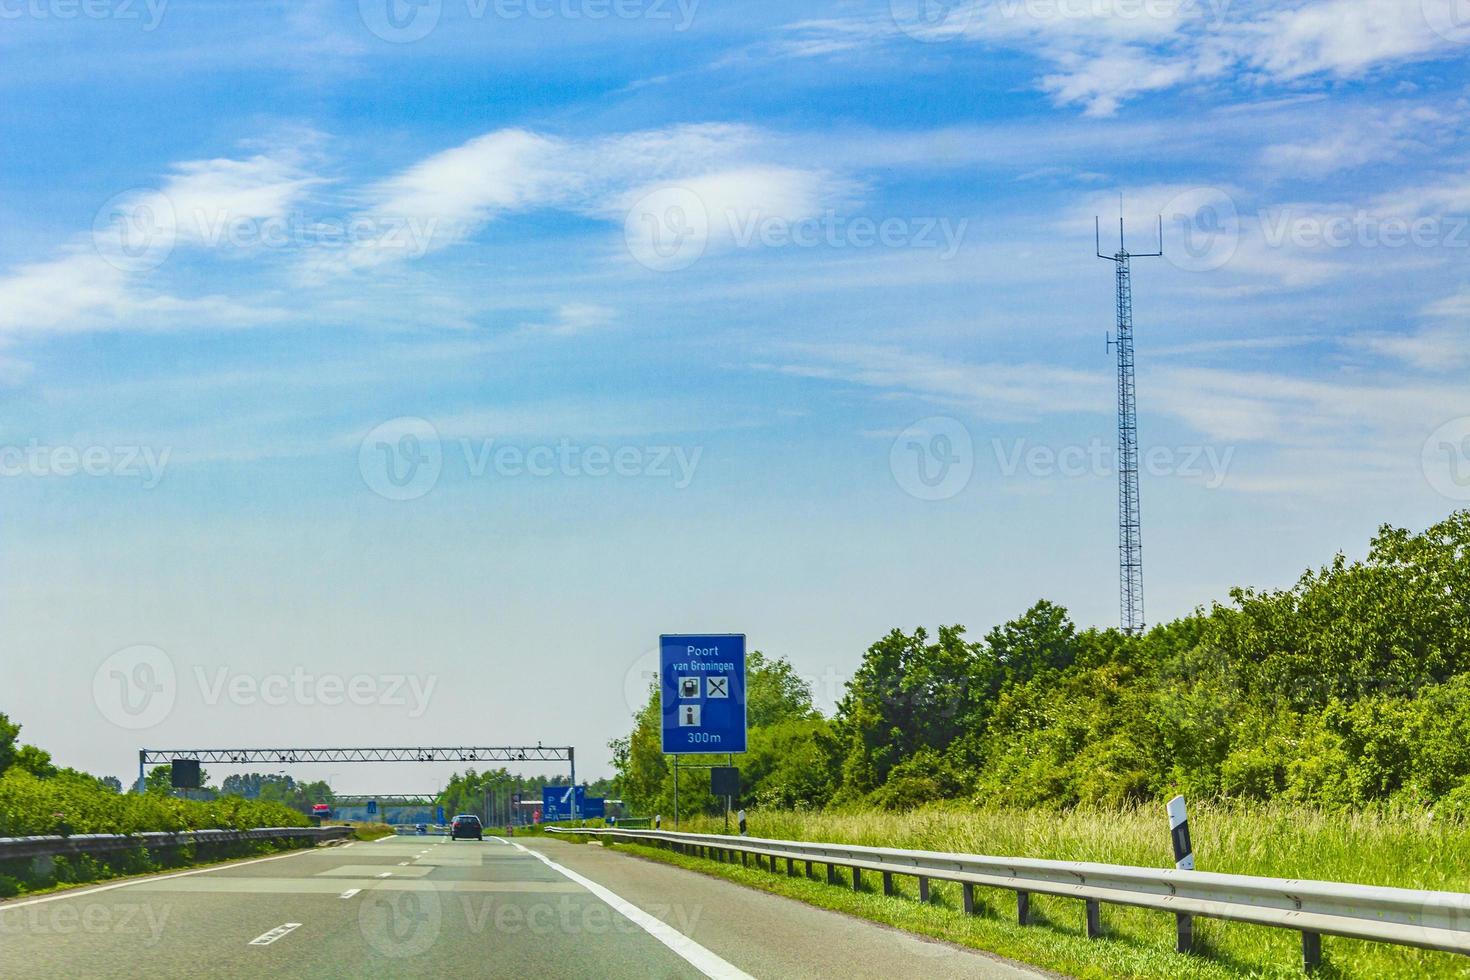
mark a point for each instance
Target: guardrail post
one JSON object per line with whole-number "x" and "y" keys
{"x": 1094, "y": 919}
{"x": 1184, "y": 933}
{"x": 831, "y": 874}
{"x": 1311, "y": 951}
{"x": 745, "y": 859}
{"x": 923, "y": 889}
{"x": 791, "y": 867}
{"x": 967, "y": 897}
{"x": 1023, "y": 908}
{"x": 857, "y": 879}
{"x": 888, "y": 882}
{"x": 809, "y": 872}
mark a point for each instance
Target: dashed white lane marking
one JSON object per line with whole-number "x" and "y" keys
{"x": 349, "y": 893}
{"x": 83, "y": 892}
{"x": 385, "y": 874}
{"x": 266, "y": 938}
{"x": 687, "y": 949}
{"x": 403, "y": 864}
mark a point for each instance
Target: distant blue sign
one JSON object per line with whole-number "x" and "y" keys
{"x": 439, "y": 814}
{"x": 702, "y": 692}
{"x": 372, "y": 807}
{"x": 556, "y": 803}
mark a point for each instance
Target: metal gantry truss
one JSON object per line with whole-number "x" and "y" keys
{"x": 460, "y": 753}
{"x": 1130, "y": 520}
{"x": 518, "y": 753}
{"x": 388, "y": 799}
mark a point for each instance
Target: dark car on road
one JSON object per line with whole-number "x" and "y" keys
{"x": 466, "y": 825}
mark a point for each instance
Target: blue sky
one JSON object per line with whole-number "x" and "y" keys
{"x": 655, "y": 311}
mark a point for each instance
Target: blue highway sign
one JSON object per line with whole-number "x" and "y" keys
{"x": 702, "y": 693}
{"x": 556, "y": 804}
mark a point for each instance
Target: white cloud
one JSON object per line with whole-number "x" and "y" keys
{"x": 996, "y": 390}
{"x": 1429, "y": 349}
{"x": 1105, "y": 52}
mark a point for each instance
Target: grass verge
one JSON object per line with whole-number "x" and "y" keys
{"x": 39, "y": 876}
{"x": 1407, "y": 851}
{"x": 366, "y": 831}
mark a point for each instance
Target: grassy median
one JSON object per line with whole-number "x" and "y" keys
{"x": 1412, "y": 851}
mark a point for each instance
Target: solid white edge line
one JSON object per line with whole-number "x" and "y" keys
{"x": 82, "y": 892}
{"x": 690, "y": 951}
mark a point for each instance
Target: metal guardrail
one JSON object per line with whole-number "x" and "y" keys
{"x": 1402, "y": 916}
{"x": 17, "y": 848}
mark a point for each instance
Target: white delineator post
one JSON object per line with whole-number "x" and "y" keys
{"x": 1183, "y": 861}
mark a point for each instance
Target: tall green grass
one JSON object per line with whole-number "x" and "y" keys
{"x": 1403, "y": 849}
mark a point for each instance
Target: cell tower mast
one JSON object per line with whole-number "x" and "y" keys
{"x": 1130, "y": 525}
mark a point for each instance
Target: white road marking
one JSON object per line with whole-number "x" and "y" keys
{"x": 349, "y": 843}
{"x": 349, "y": 893}
{"x": 266, "y": 938}
{"x": 385, "y": 874}
{"x": 690, "y": 951}
{"x": 404, "y": 864}
{"x": 83, "y": 892}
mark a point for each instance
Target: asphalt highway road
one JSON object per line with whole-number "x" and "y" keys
{"x": 429, "y": 907}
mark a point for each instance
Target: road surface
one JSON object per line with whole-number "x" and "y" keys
{"x": 429, "y": 907}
